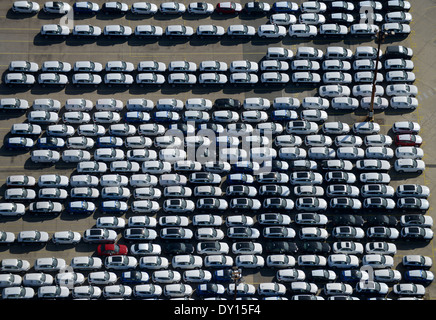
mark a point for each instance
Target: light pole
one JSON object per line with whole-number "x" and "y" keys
{"x": 236, "y": 277}
{"x": 379, "y": 39}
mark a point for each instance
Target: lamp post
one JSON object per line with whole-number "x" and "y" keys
{"x": 236, "y": 277}
{"x": 379, "y": 39}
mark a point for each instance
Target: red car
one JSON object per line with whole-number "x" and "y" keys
{"x": 112, "y": 250}
{"x": 408, "y": 140}
{"x": 228, "y": 7}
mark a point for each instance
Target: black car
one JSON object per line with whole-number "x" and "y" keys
{"x": 398, "y": 52}
{"x": 227, "y": 103}
{"x": 281, "y": 247}
{"x": 382, "y": 220}
{"x": 314, "y": 247}
{"x": 348, "y": 220}
{"x": 178, "y": 248}
{"x": 255, "y": 7}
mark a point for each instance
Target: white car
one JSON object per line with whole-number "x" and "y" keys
{"x": 66, "y": 237}
{"x": 202, "y": 8}
{"x": 178, "y": 30}
{"x": 117, "y": 30}
{"x": 210, "y": 30}
{"x": 54, "y": 79}
{"x": 334, "y": 90}
{"x": 32, "y": 237}
{"x": 396, "y": 28}
{"x": 335, "y": 65}
{"x": 374, "y": 177}
{"x": 374, "y": 140}
{"x": 271, "y": 31}
{"x": 56, "y": 7}
{"x": 365, "y": 90}
{"x": 373, "y": 165}
{"x": 45, "y": 156}
{"x": 172, "y": 7}
{"x": 409, "y": 165}
{"x": 19, "y": 78}
{"x": 343, "y": 261}
{"x": 404, "y": 127}
{"x": 403, "y": 102}
{"x": 86, "y": 30}
{"x": 25, "y": 7}
{"x": 412, "y": 190}
{"x": 282, "y": 19}
{"x": 147, "y": 8}
{"x": 333, "y": 30}
{"x": 401, "y": 89}
{"x": 148, "y": 30}
{"x": 364, "y": 29}
{"x": 19, "y": 292}
{"x": 311, "y": 18}
{"x": 15, "y": 265}
{"x": 348, "y": 140}
{"x": 240, "y": 30}
{"x": 249, "y": 261}
{"x": 301, "y": 30}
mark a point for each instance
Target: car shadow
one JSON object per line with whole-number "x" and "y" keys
{"x": 203, "y": 41}
{"x": 142, "y": 41}
{"x": 102, "y": 15}
{"x": 138, "y": 17}
{"x": 80, "y": 41}
{"x": 40, "y": 40}
{"x": 234, "y": 41}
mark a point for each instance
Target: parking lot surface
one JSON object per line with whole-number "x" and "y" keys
{"x": 20, "y": 39}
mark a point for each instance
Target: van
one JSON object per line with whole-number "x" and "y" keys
{"x": 309, "y": 53}
{"x": 366, "y": 52}
{"x": 279, "y": 53}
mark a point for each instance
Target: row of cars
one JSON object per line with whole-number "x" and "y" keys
{"x": 305, "y": 59}
{"x": 306, "y": 67}
{"x": 298, "y": 278}
{"x": 276, "y": 30}
{"x": 332, "y": 84}
{"x": 205, "y": 8}
{"x": 310, "y": 227}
